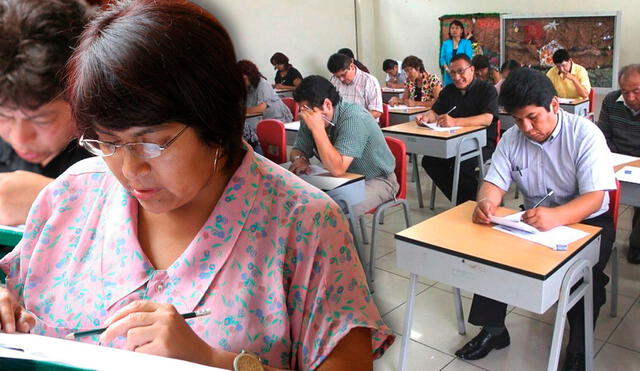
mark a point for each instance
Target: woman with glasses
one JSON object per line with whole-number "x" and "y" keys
{"x": 421, "y": 87}
{"x": 456, "y": 44}
{"x": 177, "y": 215}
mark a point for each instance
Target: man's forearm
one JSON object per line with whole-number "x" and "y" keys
{"x": 579, "y": 208}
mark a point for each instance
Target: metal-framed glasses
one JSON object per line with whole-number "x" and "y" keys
{"x": 460, "y": 71}
{"x": 138, "y": 149}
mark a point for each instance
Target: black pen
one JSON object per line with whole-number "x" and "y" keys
{"x": 98, "y": 331}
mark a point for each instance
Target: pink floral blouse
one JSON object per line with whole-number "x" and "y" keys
{"x": 275, "y": 263}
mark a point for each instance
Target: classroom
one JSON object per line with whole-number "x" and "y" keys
{"x": 337, "y": 185}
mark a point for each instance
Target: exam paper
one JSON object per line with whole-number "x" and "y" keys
{"x": 294, "y": 125}
{"x": 399, "y": 106}
{"x": 325, "y": 182}
{"x": 392, "y": 90}
{"x": 514, "y": 221}
{"x": 434, "y": 126}
{"x": 313, "y": 169}
{"x": 561, "y": 235}
{"x": 83, "y": 355}
{"x": 629, "y": 174}
{"x": 619, "y": 159}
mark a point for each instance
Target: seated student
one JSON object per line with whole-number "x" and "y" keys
{"x": 619, "y": 121}
{"x": 345, "y": 139}
{"x": 355, "y": 85}
{"x": 421, "y": 88}
{"x": 348, "y": 52}
{"x": 395, "y": 75}
{"x": 570, "y": 79}
{"x": 476, "y": 103}
{"x": 287, "y": 76}
{"x": 505, "y": 69}
{"x": 261, "y": 98}
{"x": 484, "y": 70}
{"x": 549, "y": 149}
{"x": 36, "y": 127}
{"x": 178, "y": 215}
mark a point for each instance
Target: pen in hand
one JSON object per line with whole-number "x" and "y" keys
{"x": 79, "y": 334}
{"x": 324, "y": 118}
{"x": 543, "y": 198}
{"x": 448, "y": 112}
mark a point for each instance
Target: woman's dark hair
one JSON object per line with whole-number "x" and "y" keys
{"x": 510, "y": 65}
{"x": 314, "y": 89}
{"x": 480, "y": 61}
{"x": 37, "y": 38}
{"x": 250, "y": 70}
{"x": 147, "y": 62}
{"x": 459, "y": 24}
{"x": 338, "y": 62}
{"x": 347, "y": 51}
{"x": 413, "y": 61}
{"x": 525, "y": 87}
{"x": 280, "y": 58}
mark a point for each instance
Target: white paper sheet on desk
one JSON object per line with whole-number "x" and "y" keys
{"x": 392, "y": 90}
{"x": 619, "y": 159}
{"x": 514, "y": 221}
{"x": 629, "y": 174}
{"x": 561, "y": 235}
{"x": 293, "y": 125}
{"x": 434, "y": 126}
{"x": 565, "y": 100}
{"x": 314, "y": 169}
{"x": 399, "y": 107}
{"x": 325, "y": 182}
{"x": 89, "y": 356}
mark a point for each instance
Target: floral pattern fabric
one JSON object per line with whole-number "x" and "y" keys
{"x": 429, "y": 83}
{"x": 275, "y": 263}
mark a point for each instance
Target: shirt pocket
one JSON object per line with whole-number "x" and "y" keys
{"x": 522, "y": 178}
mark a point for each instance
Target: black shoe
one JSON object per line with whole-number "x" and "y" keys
{"x": 574, "y": 362}
{"x": 633, "y": 256}
{"x": 482, "y": 344}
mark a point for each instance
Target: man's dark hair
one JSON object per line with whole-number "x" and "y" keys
{"x": 36, "y": 40}
{"x": 388, "y": 64}
{"x": 462, "y": 56}
{"x": 148, "y": 62}
{"x": 510, "y": 65}
{"x": 347, "y": 51}
{"x": 314, "y": 89}
{"x": 560, "y": 56}
{"x": 480, "y": 62}
{"x": 525, "y": 87}
{"x": 415, "y": 62}
{"x": 338, "y": 62}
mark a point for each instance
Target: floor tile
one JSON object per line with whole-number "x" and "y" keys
{"x": 420, "y": 357}
{"x": 628, "y": 333}
{"x": 391, "y": 290}
{"x": 388, "y": 263}
{"x": 615, "y": 358}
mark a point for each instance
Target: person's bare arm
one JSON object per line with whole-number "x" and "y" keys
{"x": 483, "y": 119}
{"x": 375, "y": 114}
{"x": 574, "y": 211}
{"x": 489, "y": 198}
{"x": 257, "y": 109}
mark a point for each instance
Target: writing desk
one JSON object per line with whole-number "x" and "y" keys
{"x": 388, "y": 93}
{"x": 450, "y": 248}
{"x": 578, "y": 107}
{"x": 462, "y": 144}
{"x": 400, "y": 115}
{"x": 629, "y": 192}
{"x": 285, "y": 92}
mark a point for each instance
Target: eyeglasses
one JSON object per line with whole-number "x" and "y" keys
{"x": 138, "y": 149}
{"x": 459, "y": 72}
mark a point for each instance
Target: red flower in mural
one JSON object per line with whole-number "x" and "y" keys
{"x": 534, "y": 34}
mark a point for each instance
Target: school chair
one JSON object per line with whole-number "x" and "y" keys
{"x": 399, "y": 152}
{"x": 384, "y": 118}
{"x": 273, "y": 140}
{"x": 614, "y": 205}
{"x": 292, "y": 105}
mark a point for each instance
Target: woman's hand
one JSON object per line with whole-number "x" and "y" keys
{"x": 13, "y": 316}
{"x": 157, "y": 328}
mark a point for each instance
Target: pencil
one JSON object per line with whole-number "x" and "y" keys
{"x": 79, "y": 334}
{"x": 324, "y": 118}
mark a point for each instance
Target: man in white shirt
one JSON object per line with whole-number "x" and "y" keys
{"x": 355, "y": 85}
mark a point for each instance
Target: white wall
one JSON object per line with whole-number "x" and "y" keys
{"x": 307, "y": 31}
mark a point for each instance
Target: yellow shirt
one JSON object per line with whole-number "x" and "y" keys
{"x": 564, "y": 87}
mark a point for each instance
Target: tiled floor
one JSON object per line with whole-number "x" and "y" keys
{"x": 434, "y": 336}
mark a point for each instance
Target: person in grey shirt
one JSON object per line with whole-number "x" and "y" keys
{"x": 620, "y": 122}
{"x": 261, "y": 98}
{"x": 549, "y": 149}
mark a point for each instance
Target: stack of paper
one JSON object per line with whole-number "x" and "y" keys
{"x": 554, "y": 238}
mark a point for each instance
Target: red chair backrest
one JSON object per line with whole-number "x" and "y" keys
{"x": 292, "y": 105}
{"x": 614, "y": 204}
{"x": 592, "y": 103}
{"x": 273, "y": 140}
{"x": 399, "y": 151}
{"x": 384, "y": 118}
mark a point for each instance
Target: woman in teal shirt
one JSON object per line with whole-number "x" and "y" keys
{"x": 457, "y": 44}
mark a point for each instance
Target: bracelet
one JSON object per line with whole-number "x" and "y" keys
{"x": 296, "y": 157}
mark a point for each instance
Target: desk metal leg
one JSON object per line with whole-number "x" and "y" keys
{"x": 416, "y": 176}
{"x": 355, "y": 232}
{"x": 477, "y": 152}
{"x": 580, "y": 270}
{"x": 408, "y": 319}
{"x": 457, "y": 299}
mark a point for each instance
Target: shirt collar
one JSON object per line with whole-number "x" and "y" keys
{"x": 208, "y": 251}
{"x": 621, "y": 99}
{"x": 471, "y": 85}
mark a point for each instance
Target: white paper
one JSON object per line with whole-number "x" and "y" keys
{"x": 313, "y": 169}
{"x": 392, "y": 90}
{"x": 399, "y": 107}
{"x": 561, "y": 235}
{"x": 83, "y": 355}
{"x": 619, "y": 159}
{"x": 325, "y": 182}
{"x": 629, "y": 174}
{"x": 514, "y": 221}
{"x": 565, "y": 100}
{"x": 434, "y": 126}
{"x": 294, "y": 125}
